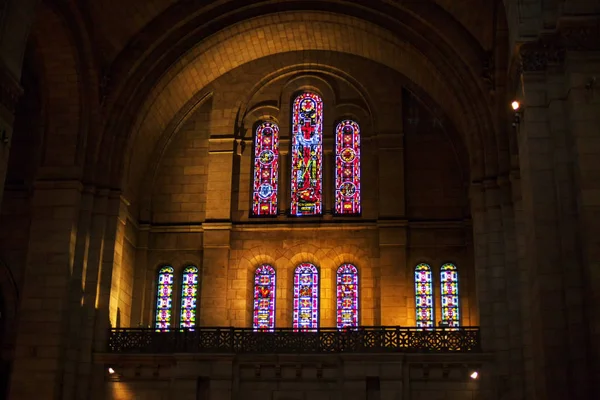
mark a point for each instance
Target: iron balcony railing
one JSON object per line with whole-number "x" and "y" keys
{"x": 382, "y": 339}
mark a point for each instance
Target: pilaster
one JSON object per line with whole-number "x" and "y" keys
{"x": 44, "y": 304}
{"x": 215, "y": 279}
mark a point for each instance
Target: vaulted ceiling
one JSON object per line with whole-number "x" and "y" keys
{"x": 116, "y": 22}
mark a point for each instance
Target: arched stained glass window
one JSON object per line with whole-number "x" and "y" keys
{"x": 306, "y": 297}
{"x": 164, "y": 298}
{"x": 423, "y": 296}
{"x": 449, "y": 295}
{"x": 347, "y": 296}
{"x": 189, "y": 297}
{"x": 307, "y": 155}
{"x": 264, "y": 298}
{"x": 266, "y": 169}
{"x": 347, "y": 168}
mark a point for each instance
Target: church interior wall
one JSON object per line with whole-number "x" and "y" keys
{"x": 176, "y": 197}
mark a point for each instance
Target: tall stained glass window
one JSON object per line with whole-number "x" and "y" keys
{"x": 266, "y": 169}
{"x": 189, "y": 297}
{"x": 424, "y": 296}
{"x": 306, "y": 297}
{"x": 307, "y": 155}
{"x": 164, "y": 298}
{"x": 449, "y": 294}
{"x": 347, "y": 296}
{"x": 347, "y": 168}
{"x": 264, "y": 298}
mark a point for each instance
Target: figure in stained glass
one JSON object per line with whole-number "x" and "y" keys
{"x": 266, "y": 169}
{"x": 164, "y": 298}
{"x": 347, "y": 296}
{"x": 189, "y": 297}
{"x": 307, "y": 155}
{"x": 264, "y": 298}
{"x": 449, "y": 295}
{"x": 347, "y": 168}
{"x": 306, "y": 297}
{"x": 424, "y": 296}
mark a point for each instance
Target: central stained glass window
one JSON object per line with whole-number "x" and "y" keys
{"x": 307, "y": 155}
{"x": 266, "y": 169}
{"x": 347, "y": 296}
{"x": 423, "y": 296}
{"x": 306, "y": 297}
{"x": 264, "y": 298}
{"x": 347, "y": 168}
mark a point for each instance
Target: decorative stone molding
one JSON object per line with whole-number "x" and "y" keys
{"x": 10, "y": 90}
{"x": 537, "y": 56}
{"x": 581, "y": 34}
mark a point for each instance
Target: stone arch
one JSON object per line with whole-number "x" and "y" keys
{"x": 448, "y": 89}
{"x": 294, "y": 70}
{"x": 71, "y": 92}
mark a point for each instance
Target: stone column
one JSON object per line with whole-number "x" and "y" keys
{"x": 553, "y": 271}
{"x": 44, "y": 302}
{"x": 394, "y": 292}
{"x": 217, "y": 235}
{"x": 284, "y": 180}
{"x": 583, "y": 119}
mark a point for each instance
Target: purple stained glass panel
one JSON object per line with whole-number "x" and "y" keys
{"x": 449, "y": 295}
{"x": 306, "y": 297}
{"x": 264, "y": 298}
{"x": 164, "y": 298}
{"x": 347, "y": 168}
{"x": 266, "y": 170}
{"x": 424, "y": 296}
{"x": 347, "y": 296}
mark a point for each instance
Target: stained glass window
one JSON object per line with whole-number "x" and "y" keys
{"x": 266, "y": 169}
{"x": 164, "y": 298}
{"x": 424, "y": 296}
{"x": 449, "y": 294}
{"x": 347, "y": 296}
{"x": 264, "y": 298}
{"x": 306, "y": 297}
{"x": 307, "y": 155}
{"x": 347, "y": 168}
{"x": 189, "y": 296}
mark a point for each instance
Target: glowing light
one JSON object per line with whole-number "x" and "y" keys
{"x": 111, "y": 371}
{"x": 515, "y": 105}
{"x": 474, "y": 375}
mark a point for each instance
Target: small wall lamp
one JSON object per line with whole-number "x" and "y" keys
{"x": 516, "y": 106}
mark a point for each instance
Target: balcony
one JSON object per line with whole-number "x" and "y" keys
{"x": 229, "y": 340}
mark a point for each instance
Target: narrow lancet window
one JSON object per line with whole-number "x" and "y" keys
{"x": 307, "y": 155}
{"x": 347, "y": 296}
{"x": 189, "y": 297}
{"x": 306, "y": 297}
{"x": 347, "y": 168}
{"x": 449, "y": 295}
{"x": 264, "y": 298}
{"x": 424, "y": 296}
{"x": 266, "y": 169}
{"x": 164, "y": 298}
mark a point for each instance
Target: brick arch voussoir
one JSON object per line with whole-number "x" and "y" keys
{"x": 223, "y": 52}
{"x": 257, "y": 256}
